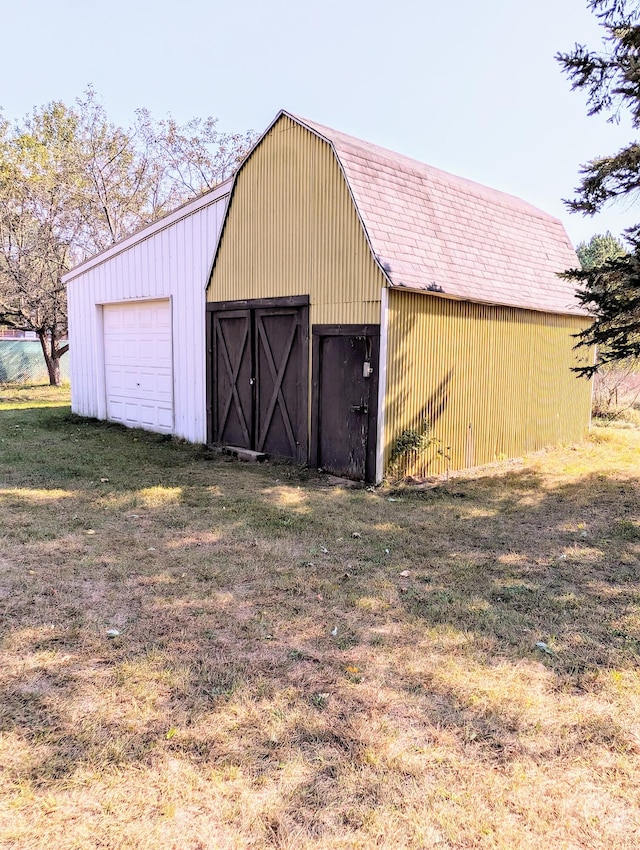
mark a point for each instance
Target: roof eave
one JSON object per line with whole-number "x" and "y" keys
{"x": 488, "y": 302}
{"x": 146, "y": 231}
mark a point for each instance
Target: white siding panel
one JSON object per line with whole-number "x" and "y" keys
{"x": 171, "y": 262}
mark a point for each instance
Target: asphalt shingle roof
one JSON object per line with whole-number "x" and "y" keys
{"x": 433, "y": 231}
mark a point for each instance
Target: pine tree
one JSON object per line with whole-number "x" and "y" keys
{"x": 600, "y": 248}
{"x": 610, "y": 289}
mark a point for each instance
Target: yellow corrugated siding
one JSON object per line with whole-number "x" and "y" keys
{"x": 292, "y": 229}
{"x": 492, "y": 382}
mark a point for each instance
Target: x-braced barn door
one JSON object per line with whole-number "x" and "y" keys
{"x": 232, "y": 378}
{"x": 258, "y": 375}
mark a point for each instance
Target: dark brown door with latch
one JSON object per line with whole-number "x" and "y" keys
{"x": 258, "y": 375}
{"x": 345, "y": 398}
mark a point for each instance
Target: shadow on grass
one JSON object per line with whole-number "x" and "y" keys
{"x": 226, "y": 582}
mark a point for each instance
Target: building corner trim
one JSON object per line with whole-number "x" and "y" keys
{"x": 382, "y": 383}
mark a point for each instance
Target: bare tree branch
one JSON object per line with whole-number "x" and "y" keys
{"x": 72, "y": 183}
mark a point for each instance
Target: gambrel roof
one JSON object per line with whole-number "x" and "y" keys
{"x": 433, "y": 231}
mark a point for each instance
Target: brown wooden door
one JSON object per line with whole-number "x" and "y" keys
{"x": 233, "y": 371}
{"x": 258, "y": 375}
{"x": 281, "y": 396}
{"x": 345, "y": 387}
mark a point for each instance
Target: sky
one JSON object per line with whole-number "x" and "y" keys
{"x": 472, "y": 87}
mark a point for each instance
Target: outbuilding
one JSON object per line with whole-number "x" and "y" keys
{"x": 137, "y": 323}
{"x": 366, "y": 311}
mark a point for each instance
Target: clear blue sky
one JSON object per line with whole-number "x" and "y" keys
{"x": 470, "y": 87}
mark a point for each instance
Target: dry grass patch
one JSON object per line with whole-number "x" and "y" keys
{"x": 304, "y": 666}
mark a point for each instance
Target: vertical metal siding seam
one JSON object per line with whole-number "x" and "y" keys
{"x": 505, "y": 361}
{"x": 293, "y": 213}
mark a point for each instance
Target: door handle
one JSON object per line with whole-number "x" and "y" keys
{"x": 359, "y": 408}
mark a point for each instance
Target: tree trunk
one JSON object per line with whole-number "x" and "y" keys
{"x": 53, "y": 367}
{"x": 51, "y": 358}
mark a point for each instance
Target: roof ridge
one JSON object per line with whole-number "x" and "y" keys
{"x": 433, "y": 231}
{"x": 506, "y": 198}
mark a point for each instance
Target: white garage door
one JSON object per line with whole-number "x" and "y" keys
{"x": 138, "y": 364}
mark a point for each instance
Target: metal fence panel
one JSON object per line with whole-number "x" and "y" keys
{"x": 22, "y": 362}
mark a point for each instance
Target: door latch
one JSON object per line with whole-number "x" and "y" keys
{"x": 359, "y": 408}
{"x": 367, "y": 369}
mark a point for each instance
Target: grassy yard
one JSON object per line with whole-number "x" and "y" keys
{"x": 300, "y": 665}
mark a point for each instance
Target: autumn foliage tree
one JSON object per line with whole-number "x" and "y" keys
{"x": 72, "y": 183}
{"x": 611, "y": 80}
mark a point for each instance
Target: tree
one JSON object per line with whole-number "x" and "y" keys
{"x": 601, "y": 247}
{"x": 611, "y": 80}
{"x": 36, "y": 231}
{"x": 615, "y": 385}
{"x": 72, "y": 183}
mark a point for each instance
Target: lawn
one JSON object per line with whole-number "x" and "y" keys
{"x": 197, "y": 653}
